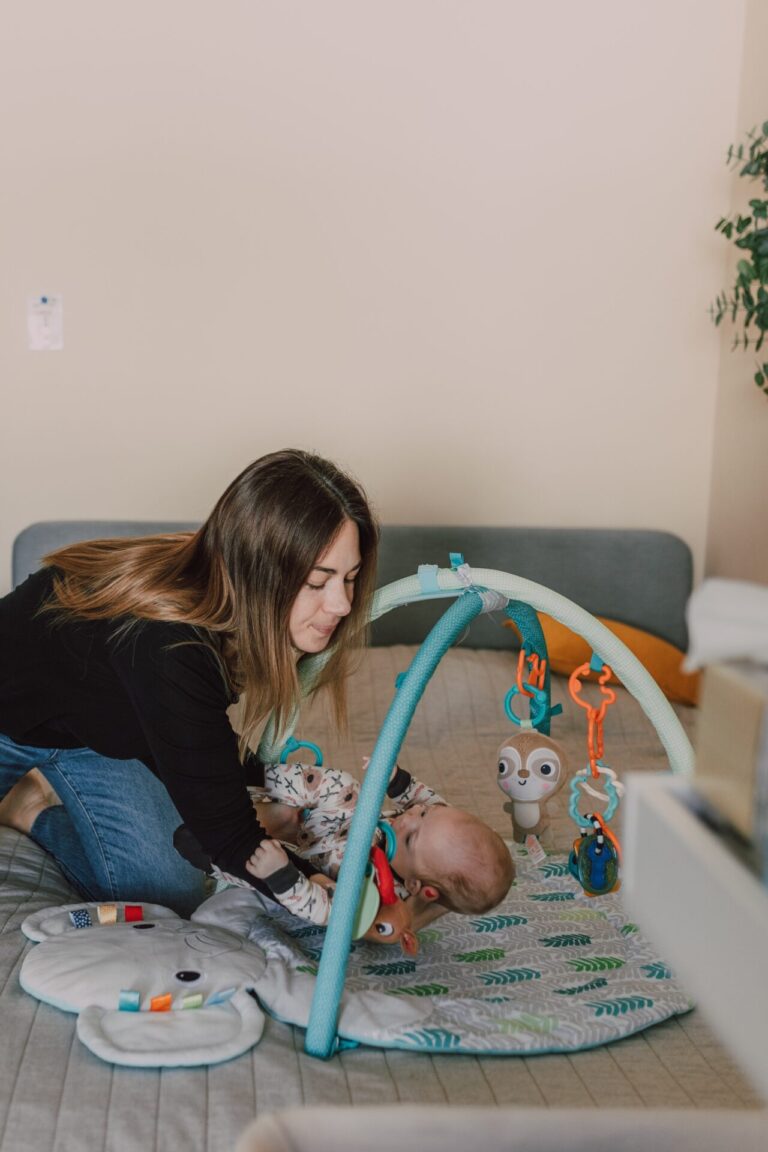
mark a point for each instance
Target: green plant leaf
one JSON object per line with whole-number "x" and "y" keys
{"x": 422, "y": 990}
{"x": 759, "y": 379}
{"x": 549, "y": 870}
{"x": 495, "y": 923}
{"x": 479, "y": 956}
{"x": 595, "y": 963}
{"x": 509, "y": 976}
{"x": 657, "y": 970}
{"x": 565, "y": 940}
{"x": 394, "y": 968}
{"x": 620, "y": 1006}
{"x": 433, "y": 1038}
{"x": 598, "y": 982}
{"x": 429, "y": 935}
{"x": 527, "y": 1022}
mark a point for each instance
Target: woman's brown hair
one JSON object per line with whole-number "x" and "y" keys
{"x": 237, "y": 577}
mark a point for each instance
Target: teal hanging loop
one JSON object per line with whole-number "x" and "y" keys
{"x": 292, "y": 745}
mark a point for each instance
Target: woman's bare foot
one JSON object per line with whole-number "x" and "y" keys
{"x": 30, "y": 796}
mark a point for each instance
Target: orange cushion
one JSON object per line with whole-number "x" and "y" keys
{"x": 663, "y": 660}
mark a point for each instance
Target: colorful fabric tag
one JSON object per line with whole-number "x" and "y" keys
{"x": 81, "y": 918}
{"x": 107, "y": 913}
{"x": 221, "y": 997}
{"x": 535, "y": 851}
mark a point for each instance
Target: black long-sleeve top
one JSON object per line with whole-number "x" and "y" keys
{"x": 154, "y": 693}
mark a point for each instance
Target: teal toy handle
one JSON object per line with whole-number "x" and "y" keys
{"x": 612, "y": 792}
{"x": 291, "y": 745}
{"x": 538, "y": 707}
{"x": 390, "y": 840}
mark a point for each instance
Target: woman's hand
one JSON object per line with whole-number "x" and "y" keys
{"x": 393, "y": 773}
{"x": 323, "y": 880}
{"x": 269, "y": 857}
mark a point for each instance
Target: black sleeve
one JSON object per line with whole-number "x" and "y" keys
{"x": 178, "y": 692}
{"x": 399, "y": 782}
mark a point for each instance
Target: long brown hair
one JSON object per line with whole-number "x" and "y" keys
{"x": 237, "y": 577}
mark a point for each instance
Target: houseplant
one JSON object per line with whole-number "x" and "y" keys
{"x": 747, "y": 302}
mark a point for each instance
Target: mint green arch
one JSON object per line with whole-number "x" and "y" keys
{"x": 633, "y": 675}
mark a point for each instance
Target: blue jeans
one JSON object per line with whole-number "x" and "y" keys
{"x": 112, "y": 835}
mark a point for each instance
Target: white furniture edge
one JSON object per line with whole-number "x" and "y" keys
{"x": 703, "y": 909}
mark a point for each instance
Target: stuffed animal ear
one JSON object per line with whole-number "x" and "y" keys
{"x": 65, "y": 918}
{"x": 409, "y": 943}
{"x": 180, "y": 1038}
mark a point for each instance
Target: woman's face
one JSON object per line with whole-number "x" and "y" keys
{"x": 326, "y": 596}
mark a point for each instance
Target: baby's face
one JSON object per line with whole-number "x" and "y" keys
{"x": 430, "y": 837}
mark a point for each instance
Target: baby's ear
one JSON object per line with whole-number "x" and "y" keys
{"x": 427, "y": 892}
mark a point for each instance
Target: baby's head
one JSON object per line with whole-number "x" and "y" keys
{"x": 448, "y": 855}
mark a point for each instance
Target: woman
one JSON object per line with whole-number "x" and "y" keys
{"x": 120, "y": 658}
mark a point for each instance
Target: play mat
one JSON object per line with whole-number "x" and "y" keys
{"x": 549, "y": 970}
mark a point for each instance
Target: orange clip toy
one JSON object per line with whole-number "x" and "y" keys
{"x": 595, "y": 716}
{"x": 538, "y": 669}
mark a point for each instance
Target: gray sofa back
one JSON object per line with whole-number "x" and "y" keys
{"x": 641, "y": 577}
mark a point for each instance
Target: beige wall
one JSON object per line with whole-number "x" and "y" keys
{"x": 737, "y": 544}
{"x": 464, "y": 247}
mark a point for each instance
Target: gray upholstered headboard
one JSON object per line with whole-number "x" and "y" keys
{"x": 640, "y": 577}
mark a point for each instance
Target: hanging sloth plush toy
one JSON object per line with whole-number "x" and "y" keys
{"x": 531, "y": 769}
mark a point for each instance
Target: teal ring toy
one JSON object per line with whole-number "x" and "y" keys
{"x": 292, "y": 745}
{"x": 610, "y": 811}
{"x": 390, "y": 839}
{"x": 538, "y": 706}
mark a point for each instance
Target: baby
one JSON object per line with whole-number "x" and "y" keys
{"x": 443, "y": 855}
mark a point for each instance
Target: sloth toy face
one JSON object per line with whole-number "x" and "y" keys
{"x": 531, "y": 768}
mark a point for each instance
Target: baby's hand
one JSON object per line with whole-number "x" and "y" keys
{"x": 269, "y": 857}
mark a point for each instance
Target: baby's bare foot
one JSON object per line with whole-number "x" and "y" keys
{"x": 30, "y": 796}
